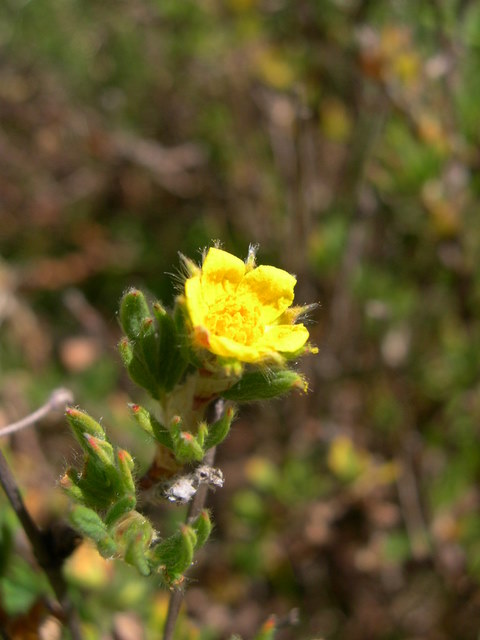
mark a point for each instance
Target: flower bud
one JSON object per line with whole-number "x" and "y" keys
{"x": 133, "y": 311}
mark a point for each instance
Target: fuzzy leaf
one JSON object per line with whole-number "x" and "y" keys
{"x": 89, "y": 524}
{"x": 175, "y": 554}
{"x": 171, "y": 359}
{"x": 82, "y": 423}
{"x": 151, "y": 425}
{"x": 137, "y": 369}
{"x": 119, "y": 509}
{"x": 218, "y": 431}
{"x": 259, "y": 385}
{"x": 202, "y": 526}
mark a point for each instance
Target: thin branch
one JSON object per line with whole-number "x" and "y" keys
{"x": 44, "y": 553}
{"x": 195, "y": 507}
{"x": 59, "y": 399}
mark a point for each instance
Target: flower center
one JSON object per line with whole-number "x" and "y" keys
{"x": 236, "y": 320}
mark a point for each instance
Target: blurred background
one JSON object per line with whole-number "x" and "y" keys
{"x": 343, "y": 137}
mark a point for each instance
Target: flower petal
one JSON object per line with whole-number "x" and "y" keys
{"x": 196, "y": 304}
{"x": 272, "y": 288}
{"x": 220, "y": 265}
{"x": 222, "y": 346}
{"x": 284, "y": 338}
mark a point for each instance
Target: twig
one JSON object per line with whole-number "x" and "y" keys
{"x": 43, "y": 551}
{"x": 58, "y": 399}
{"x": 44, "y": 555}
{"x": 195, "y": 507}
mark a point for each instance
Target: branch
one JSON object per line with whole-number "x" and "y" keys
{"x": 58, "y": 400}
{"x": 195, "y": 507}
{"x": 44, "y": 552}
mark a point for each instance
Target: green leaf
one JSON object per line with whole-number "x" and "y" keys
{"x": 151, "y": 425}
{"x": 21, "y": 587}
{"x": 81, "y": 423}
{"x": 219, "y": 430}
{"x": 186, "y": 446}
{"x": 137, "y": 369}
{"x": 202, "y": 526}
{"x": 171, "y": 357}
{"x": 89, "y": 524}
{"x": 175, "y": 554}
{"x": 260, "y": 385}
{"x": 119, "y": 509}
{"x": 125, "y": 466}
{"x": 147, "y": 342}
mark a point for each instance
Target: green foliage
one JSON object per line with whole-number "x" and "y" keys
{"x": 20, "y": 587}
{"x": 151, "y": 349}
{"x": 260, "y": 385}
{"x": 345, "y": 136}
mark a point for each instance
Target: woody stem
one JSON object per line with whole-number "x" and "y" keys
{"x": 195, "y": 507}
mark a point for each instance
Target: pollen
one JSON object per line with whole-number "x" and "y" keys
{"x": 239, "y": 321}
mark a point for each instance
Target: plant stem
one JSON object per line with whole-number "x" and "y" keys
{"x": 44, "y": 552}
{"x": 44, "y": 555}
{"x": 195, "y": 507}
{"x": 59, "y": 399}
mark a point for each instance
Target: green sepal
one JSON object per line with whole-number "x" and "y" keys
{"x": 133, "y": 311}
{"x": 151, "y": 425}
{"x": 81, "y": 423}
{"x": 202, "y": 526}
{"x": 90, "y": 525}
{"x": 260, "y": 385}
{"x": 219, "y": 430}
{"x": 119, "y": 509}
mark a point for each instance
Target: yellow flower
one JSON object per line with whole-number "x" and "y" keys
{"x": 238, "y": 311}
